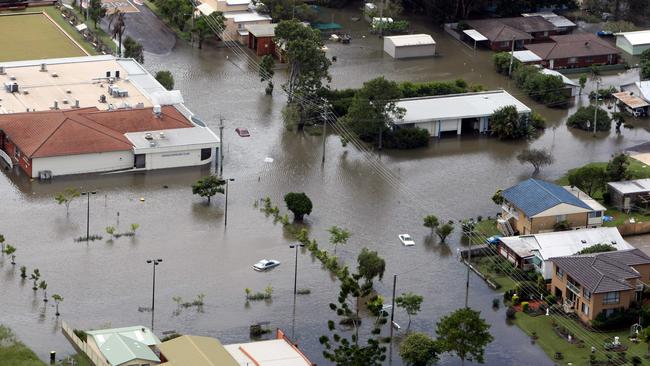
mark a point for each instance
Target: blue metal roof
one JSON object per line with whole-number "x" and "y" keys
{"x": 534, "y": 196}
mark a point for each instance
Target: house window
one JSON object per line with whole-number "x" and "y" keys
{"x": 586, "y": 294}
{"x": 611, "y": 298}
{"x": 560, "y": 218}
{"x": 505, "y": 44}
{"x": 595, "y": 214}
{"x": 545, "y": 34}
{"x": 206, "y": 153}
{"x": 559, "y": 272}
{"x": 585, "y": 309}
{"x": 573, "y": 60}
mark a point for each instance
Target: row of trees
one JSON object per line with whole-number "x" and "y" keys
{"x": 593, "y": 178}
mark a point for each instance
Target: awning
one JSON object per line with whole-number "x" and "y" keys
{"x": 81, "y": 27}
{"x": 526, "y": 56}
{"x": 475, "y": 35}
{"x": 630, "y": 100}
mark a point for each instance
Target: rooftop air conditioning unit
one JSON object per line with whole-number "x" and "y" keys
{"x": 43, "y": 67}
{"x": 157, "y": 110}
{"x": 161, "y": 135}
{"x": 55, "y": 75}
{"x": 102, "y": 98}
{"x": 12, "y": 77}
{"x": 76, "y": 103}
{"x": 68, "y": 91}
{"x": 139, "y": 105}
{"x": 2, "y": 70}
{"x": 152, "y": 143}
{"x": 65, "y": 101}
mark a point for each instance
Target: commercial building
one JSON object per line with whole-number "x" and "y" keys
{"x": 575, "y": 50}
{"x": 409, "y": 46}
{"x": 591, "y": 284}
{"x": 630, "y": 194}
{"x": 95, "y": 114}
{"x": 633, "y": 43}
{"x": 456, "y": 114}
{"x": 534, "y": 206}
{"x": 239, "y": 14}
{"x": 534, "y": 251}
{"x": 124, "y": 346}
{"x": 500, "y": 33}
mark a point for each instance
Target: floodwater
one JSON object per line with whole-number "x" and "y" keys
{"x": 105, "y": 282}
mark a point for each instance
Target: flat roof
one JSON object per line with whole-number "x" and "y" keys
{"x": 630, "y": 100}
{"x": 595, "y": 205}
{"x": 631, "y": 186}
{"x": 457, "y": 106}
{"x": 411, "y": 40}
{"x": 636, "y": 38}
{"x": 262, "y": 30}
{"x": 526, "y": 56}
{"x": 80, "y": 78}
{"x": 171, "y": 138}
{"x": 475, "y": 35}
{"x": 205, "y": 9}
{"x": 557, "y": 20}
{"x": 246, "y": 16}
{"x": 238, "y": 2}
{"x": 277, "y": 352}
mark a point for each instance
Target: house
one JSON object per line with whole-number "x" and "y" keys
{"x": 633, "y": 43}
{"x": 128, "y": 346}
{"x": 562, "y": 24}
{"x": 633, "y": 104}
{"x": 238, "y": 13}
{"x": 95, "y": 114}
{"x": 501, "y": 32}
{"x": 456, "y": 114}
{"x": 535, "y": 206}
{"x": 591, "y": 284}
{"x": 279, "y": 351}
{"x": 410, "y": 45}
{"x": 629, "y": 195}
{"x": 260, "y": 39}
{"x": 572, "y": 88}
{"x": 533, "y": 251}
{"x": 575, "y": 50}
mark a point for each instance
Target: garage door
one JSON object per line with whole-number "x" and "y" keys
{"x": 448, "y": 126}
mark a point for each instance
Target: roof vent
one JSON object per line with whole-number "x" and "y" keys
{"x": 102, "y": 98}
{"x": 68, "y": 91}
{"x": 65, "y": 101}
{"x": 583, "y": 241}
{"x": 139, "y": 105}
{"x": 148, "y": 136}
{"x": 2, "y": 70}
{"x": 161, "y": 134}
{"x": 56, "y": 105}
{"x": 157, "y": 110}
{"x": 152, "y": 143}
{"x": 12, "y": 77}
{"x": 76, "y": 103}
{"x": 43, "y": 67}
{"x": 55, "y": 75}
{"x": 613, "y": 242}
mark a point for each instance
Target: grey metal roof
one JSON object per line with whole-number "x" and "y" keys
{"x": 603, "y": 272}
{"x": 534, "y": 196}
{"x": 631, "y": 186}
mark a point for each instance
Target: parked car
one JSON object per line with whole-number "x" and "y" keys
{"x": 406, "y": 240}
{"x": 242, "y": 132}
{"x": 494, "y": 240}
{"x": 265, "y": 264}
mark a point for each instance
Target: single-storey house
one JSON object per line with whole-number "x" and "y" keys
{"x": 129, "y": 346}
{"x": 633, "y": 104}
{"x": 534, "y": 206}
{"x": 260, "y": 39}
{"x": 590, "y": 284}
{"x": 572, "y": 87}
{"x": 456, "y": 114}
{"x": 410, "y": 45}
{"x": 575, "y": 50}
{"x": 523, "y": 30}
{"x": 533, "y": 252}
{"x": 526, "y": 57}
{"x": 633, "y": 43}
{"x": 562, "y": 24}
{"x": 630, "y": 194}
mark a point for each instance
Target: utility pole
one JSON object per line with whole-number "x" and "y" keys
{"x": 154, "y": 263}
{"x": 469, "y": 263}
{"x": 225, "y": 216}
{"x": 88, "y": 193}
{"x": 324, "y": 116}
{"x": 596, "y": 109}
{"x": 221, "y": 146}
{"x": 392, "y": 308}
{"x": 512, "y": 55}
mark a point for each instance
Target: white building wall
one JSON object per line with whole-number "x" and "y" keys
{"x": 389, "y": 47}
{"x": 414, "y": 51}
{"x": 622, "y": 43}
{"x": 175, "y": 159}
{"x": 84, "y": 163}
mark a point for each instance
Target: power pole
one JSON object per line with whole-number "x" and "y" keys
{"x": 324, "y": 138}
{"x": 512, "y": 55}
{"x": 469, "y": 263}
{"x": 392, "y": 308}
{"x": 221, "y": 146}
{"x": 596, "y": 109}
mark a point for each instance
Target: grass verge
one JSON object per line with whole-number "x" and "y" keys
{"x": 483, "y": 264}
{"x": 13, "y": 352}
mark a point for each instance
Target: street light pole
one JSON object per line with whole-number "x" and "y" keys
{"x": 295, "y": 268}
{"x": 392, "y": 308}
{"x": 225, "y": 215}
{"x": 596, "y": 109}
{"x": 154, "y": 263}
{"x": 88, "y": 193}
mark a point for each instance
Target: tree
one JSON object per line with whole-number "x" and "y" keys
{"x": 2, "y": 243}
{"x": 465, "y": 334}
{"x": 598, "y": 248}
{"x": 338, "y": 236}
{"x": 617, "y": 168}
{"x": 299, "y": 204}
{"x": 117, "y": 27}
{"x": 620, "y": 26}
{"x": 266, "y": 72}
{"x": 444, "y": 231}
{"x": 370, "y": 265}
{"x": 582, "y": 81}
{"x": 308, "y": 64}
{"x": 57, "y": 299}
{"x": 133, "y": 49}
{"x": 134, "y": 228}
{"x": 508, "y": 124}
{"x": 372, "y": 109}
{"x": 584, "y": 116}
{"x": 286, "y": 10}
{"x": 10, "y": 250}
{"x": 43, "y": 286}
{"x": 166, "y": 79}
{"x": 208, "y": 187}
{"x": 66, "y": 197}
{"x": 536, "y": 157}
{"x": 497, "y": 197}
{"x": 410, "y": 302}
{"x": 590, "y": 179}
{"x": 97, "y": 11}
{"x": 205, "y": 26}
{"x": 23, "y": 272}
{"x": 35, "y": 276}
{"x": 419, "y": 349}
{"x": 431, "y": 221}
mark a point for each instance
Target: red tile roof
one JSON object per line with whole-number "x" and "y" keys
{"x": 83, "y": 131}
{"x": 572, "y": 45}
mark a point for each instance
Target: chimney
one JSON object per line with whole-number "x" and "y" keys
{"x": 43, "y": 67}
{"x": 108, "y": 74}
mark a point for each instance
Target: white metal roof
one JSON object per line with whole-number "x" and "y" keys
{"x": 475, "y": 35}
{"x": 565, "y": 79}
{"x": 595, "y": 205}
{"x": 246, "y": 16}
{"x": 237, "y": 2}
{"x": 563, "y": 243}
{"x": 205, "y": 9}
{"x": 277, "y": 352}
{"x": 636, "y": 38}
{"x": 631, "y": 186}
{"x": 644, "y": 89}
{"x": 262, "y": 30}
{"x": 557, "y": 20}
{"x": 411, "y": 40}
{"x": 173, "y": 139}
{"x": 457, "y": 106}
{"x": 526, "y": 56}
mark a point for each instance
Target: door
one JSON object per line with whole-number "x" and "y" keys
{"x": 139, "y": 161}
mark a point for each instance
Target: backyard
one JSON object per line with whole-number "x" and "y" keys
{"x": 34, "y": 35}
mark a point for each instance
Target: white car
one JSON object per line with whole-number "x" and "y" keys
{"x": 265, "y": 264}
{"x": 406, "y": 240}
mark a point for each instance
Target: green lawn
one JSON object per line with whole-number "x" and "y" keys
{"x": 15, "y": 353}
{"x": 483, "y": 265}
{"x": 487, "y": 228}
{"x": 551, "y": 343}
{"x": 637, "y": 170}
{"x": 34, "y": 36}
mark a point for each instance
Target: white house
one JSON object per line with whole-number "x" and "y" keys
{"x": 456, "y": 113}
{"x": 633, "y": 43}
{"x": 410, "y": 45}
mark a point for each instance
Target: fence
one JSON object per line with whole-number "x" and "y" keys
{"x": 82, "y": 346}
{"x": 634, "y": 229}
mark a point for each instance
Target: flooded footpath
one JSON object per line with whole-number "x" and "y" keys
{"x": 106, "y": 282}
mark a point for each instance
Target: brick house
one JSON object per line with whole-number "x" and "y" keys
{"x": 590, "y": 284}
{"x": 522, "y": 30}
{"x": 575, "y": 50}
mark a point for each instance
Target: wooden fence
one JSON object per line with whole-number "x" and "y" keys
{"x": 634, "y": 229}
{"x": 81, "y": 346}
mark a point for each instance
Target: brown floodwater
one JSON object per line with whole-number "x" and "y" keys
{"x": 105, "y": 282}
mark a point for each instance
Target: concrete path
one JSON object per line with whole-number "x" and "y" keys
{"x": 641, "y": 242}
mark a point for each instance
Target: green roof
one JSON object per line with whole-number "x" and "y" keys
{"x": 120, "y": 345}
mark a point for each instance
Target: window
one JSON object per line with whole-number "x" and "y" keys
{"x": 206, "y": 153}
{"x": 573, "y": 60}
{"x": 585, "y": 308}
{"x": 586, "y": 294}
{"x": 545, "y": 34}
{"x": 611, "y": 298}
{"x": 595, "y": 214}
{"x": 505, "y": 44}
{"x": 559, "y": 272}
{"x": 560, "y": 218}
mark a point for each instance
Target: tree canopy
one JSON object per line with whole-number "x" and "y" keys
{"x": 590, "y": 179}
{"x": 370, "y": 265}
{"x": 338, "y": 236}
{"x": 507, "y": 124}
{"x": 583, "y": 119}
{"x": 536, "y": 157}
{"x": 208, "y": 186}
{"x": 617, "y": 168}
{"x": 299, "y": 204}
{"x": 431, "y": 221}
{"x": 465, "y": 334}
{"x": 419, "y": 349}
{"x": 280, "y": 10}
{"x": 598, "y": 248}
{"x": 411, "y": 303}
{"x": 206, "y": 25}
{"x": 267, "y": 71}
{"x": 133, "y": 49}
{"x": 166, "y": 79}
{"x": 96, "y": 11}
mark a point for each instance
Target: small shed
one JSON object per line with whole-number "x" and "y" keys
{"x": 635, "y": 105}
{"x": 633, "y": 43}
{"x": 260, "y": 38}
{"x": 412, "y": 45}
{"x": 630, "y": 194}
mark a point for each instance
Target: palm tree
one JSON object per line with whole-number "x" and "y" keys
{"x": 57, "y": 299}
{"x": 117, "y": 26}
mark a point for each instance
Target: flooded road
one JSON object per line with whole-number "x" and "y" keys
{"x": 105, "y": 282}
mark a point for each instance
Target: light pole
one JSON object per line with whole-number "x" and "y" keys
{"x": 154, "y": 263}
{"x": 295, "y": 268}
{"x": 225, "y": 218}
{"x": 88, "y": 193}
{"x": 596, "y": 109}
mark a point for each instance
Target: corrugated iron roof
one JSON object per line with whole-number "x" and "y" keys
{"x": 533, "y": 196}
{"x": 572, "y": 45}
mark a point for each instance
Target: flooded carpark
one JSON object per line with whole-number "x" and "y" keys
{"x": 106, "y": 282}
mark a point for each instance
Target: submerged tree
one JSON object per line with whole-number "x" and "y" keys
{"x": 338, "y": 236}
{"x": 465, "y": 334}
{"x": 66, "y": 197}
{"x": 432, "y": 222}
{"x": 43, "y": 286}
{"x": 35, "y": 276}
{"x": 370, "y": 265}
{"x": 208, "y": 187}
{"x": 57, "y": 300}
{"x": 536, "y": 157}
{"x": 410, "y": 302}
{"x": 444, "y": 231}
{"x": 267, "y": 71}
{"x": 299, "y": 204}
{"x": 2, "y": 243}
{"x": 208, "y": 26}
{"x": 97, "y": 11}
{"x": 419, "y": 349}
{"x": 10, "y": 250}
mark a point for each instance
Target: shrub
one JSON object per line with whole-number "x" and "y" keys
{"x": 525, "y": 306}
{"x": 515, "y": 299}
{"x": 495, "y": 303}
{"x": 550, "y": 300}
{"x": 619, "y": 319}
{"x": 562, "y": 226}
{"x": 81, "y": 334}
{"x": 510, "y": 313}
{"x": 407, "y": 138}
{"x": 584, "y": 116}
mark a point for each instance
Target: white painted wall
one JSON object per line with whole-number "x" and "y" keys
{"x": 415, "y": 51}
{"x": 174, "y": 159}
{"x": 84, "y": 163}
